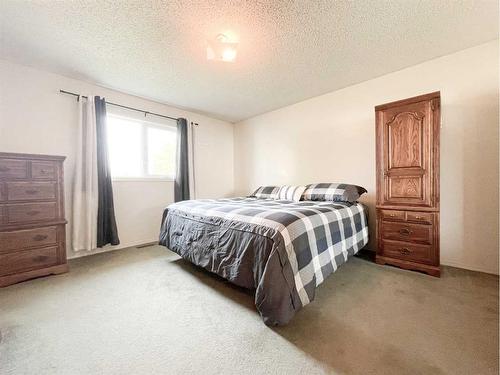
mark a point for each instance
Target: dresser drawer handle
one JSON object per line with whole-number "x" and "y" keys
{"x": 32, "y": 213}
{"x": 40, "y": 237}
{"x": 404, "y": 232}
{"x": 405, "y": 251}
{"x": 31, "y": 192}
{"x": 4, "y": 169}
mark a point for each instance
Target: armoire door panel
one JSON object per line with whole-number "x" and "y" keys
{"x": 405, "y": 141}
{"x": 406, "y": 188}
{"x": 406, "y": 154}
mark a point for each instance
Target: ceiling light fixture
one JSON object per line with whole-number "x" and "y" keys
{"x": 222, "y": 49}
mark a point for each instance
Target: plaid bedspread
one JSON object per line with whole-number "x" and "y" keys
{"x": 318, "y": 236}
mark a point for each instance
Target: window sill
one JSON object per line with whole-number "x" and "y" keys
{"x": 143, "y": 179}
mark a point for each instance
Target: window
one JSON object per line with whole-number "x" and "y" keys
{"x": 141, "y": 149}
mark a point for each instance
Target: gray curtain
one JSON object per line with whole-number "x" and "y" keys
{"x": 181, "y": 190}
{"x": 107, "y": 233}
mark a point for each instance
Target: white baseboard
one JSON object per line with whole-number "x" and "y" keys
{"x": 452, "y": 263}
{"x": 111, "y": 248}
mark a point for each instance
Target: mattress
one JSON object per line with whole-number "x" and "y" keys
{"x": 283, "y": 250}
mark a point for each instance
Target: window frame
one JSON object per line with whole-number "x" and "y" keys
{"x": 145, "y": 125}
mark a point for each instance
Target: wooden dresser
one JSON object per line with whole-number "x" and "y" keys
{"x": 407, "y": 143}
{"x": 32, "y": 224}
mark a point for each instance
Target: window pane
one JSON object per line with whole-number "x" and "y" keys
{"x": 161, "y": 151}
{"x": 125, "y": 147}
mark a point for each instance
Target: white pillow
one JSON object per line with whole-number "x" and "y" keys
{"x": 290, "y": 193}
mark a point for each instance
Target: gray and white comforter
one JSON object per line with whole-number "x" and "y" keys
{"x": 282, "y": 249}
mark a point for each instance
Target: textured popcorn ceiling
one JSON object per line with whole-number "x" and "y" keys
{"x": 289, "y": 50}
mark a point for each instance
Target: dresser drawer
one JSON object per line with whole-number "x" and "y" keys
{"x": 30, "y": 190}
{"x": 19, "y": 261}
{"x": 30, "y": 212}
{"x": 21, "y": 239}
{"x": 406, "y": 232}
{"x": 408, "y": 251}
{"x": 392, "y": 215}
{"x": 420, "y": 217}
{"x": 43, "y": 170}
{"x": 12, "y": 168}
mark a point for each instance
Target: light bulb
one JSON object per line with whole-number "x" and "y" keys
{"x": 222, "y": 49}
{"x": 229, "y": 54}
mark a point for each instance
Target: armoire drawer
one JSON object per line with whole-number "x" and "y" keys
{"x": 411, "y": 216}
{"x": 12, "y": 168}
{"x": 30, "y": 212}
{"x": 408, "y": 251}
{"x": 43, "y": 170}
{"x": 406, "y": 232}
{"x": 27, "y": 238}
{"x": 30, "y": 190}
{"x": 20, "y": 261}
{"x": 420, "y": 217}
{"x": 393, "y": 215}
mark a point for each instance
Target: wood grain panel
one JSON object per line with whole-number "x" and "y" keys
{"x": 31, "y": 212}
{"x": 405, "y": 187}
{"x": 405, "y": 141}
{"x": 27, "y": 238}
{"x": 27, "y": 260}
{"x": 30, "y": 190}
{"x": 12, "y": 169}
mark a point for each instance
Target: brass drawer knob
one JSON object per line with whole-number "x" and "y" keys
{"x": 404, "y": 232}
{"x": 40, "y": 237}
{"x": 405, "y": 251}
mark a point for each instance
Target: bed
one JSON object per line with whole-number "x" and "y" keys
{"x": 281, "y": 249}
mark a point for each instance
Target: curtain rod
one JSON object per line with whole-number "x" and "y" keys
{"x": 122, "y": 106}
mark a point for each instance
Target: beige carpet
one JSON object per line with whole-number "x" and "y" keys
{"x": 145, "y": 311}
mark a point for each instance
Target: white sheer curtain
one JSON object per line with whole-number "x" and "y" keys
{"x": 85, "y": 193}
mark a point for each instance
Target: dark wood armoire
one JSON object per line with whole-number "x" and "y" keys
{"x": 407, "y": 162}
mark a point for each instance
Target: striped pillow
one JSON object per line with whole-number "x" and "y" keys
{"x": 332, "y": 192}
{"x": 291, "y": 193}
{"x": 269, "y": 192}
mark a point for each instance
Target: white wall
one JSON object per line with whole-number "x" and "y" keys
{"x": 36, "y": 118}
{"x": 331, "y": 138}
